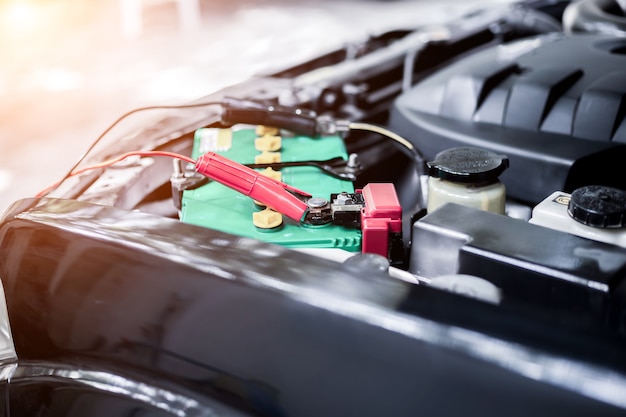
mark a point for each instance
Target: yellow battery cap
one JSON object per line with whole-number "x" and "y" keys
{"x": 267, "y": 219}
{"x": 267, "y": 158}
{"x": 266, "y": 130}
{"x": 268, "y": 143}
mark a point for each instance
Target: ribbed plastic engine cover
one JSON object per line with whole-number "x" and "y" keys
{"x": 553, "y": 104}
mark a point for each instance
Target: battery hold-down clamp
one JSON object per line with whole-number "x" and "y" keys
{"x": 375, "y": 209}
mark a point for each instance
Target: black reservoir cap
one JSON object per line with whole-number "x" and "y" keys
{"x": 468, "y": 165}
{"x": 598, "y": 206}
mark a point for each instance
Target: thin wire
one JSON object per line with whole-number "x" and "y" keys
{"x": 113, "y": 161}
{"x": 71, "y": 172}
{"x": 419, "y": 160}
{"x": 382, "y": 131}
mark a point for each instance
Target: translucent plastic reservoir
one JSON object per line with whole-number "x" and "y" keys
{"x": 490, "y": 197}
{"x": 469, "y": 177}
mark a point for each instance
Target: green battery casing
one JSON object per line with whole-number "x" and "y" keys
{"x": 218, "y": 207}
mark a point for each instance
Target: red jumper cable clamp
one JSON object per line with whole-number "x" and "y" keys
{"x": 274, "y": 194}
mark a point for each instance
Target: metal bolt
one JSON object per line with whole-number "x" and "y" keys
{"x": 353, "y": 161}
{"x": 344, "y": 198}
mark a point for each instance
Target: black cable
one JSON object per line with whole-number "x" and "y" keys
{"x": 118, "y": 121}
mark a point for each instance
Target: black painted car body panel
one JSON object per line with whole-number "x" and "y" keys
{"x": 288, "y": 334}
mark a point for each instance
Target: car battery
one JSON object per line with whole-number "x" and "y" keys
{"x": 218, "y": 207}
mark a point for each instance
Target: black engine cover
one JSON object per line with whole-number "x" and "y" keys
{"x": 553, "y": 104}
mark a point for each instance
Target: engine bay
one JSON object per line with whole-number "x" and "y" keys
{"x": 480, "y": 159}
{"x": 343, "y": 154}
{"x": 508, "y": 81}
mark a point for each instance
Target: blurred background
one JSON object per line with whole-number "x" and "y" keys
{"x": 69, "y": 68}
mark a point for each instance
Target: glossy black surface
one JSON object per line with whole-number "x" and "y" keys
{"x": 551, "y": 103}
{"x": 273, "y": 331}
{"x": 48, "y": 389}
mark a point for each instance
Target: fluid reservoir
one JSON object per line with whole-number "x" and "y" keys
{"x": 595, "y": 212}
{"x": 467, "y": 176}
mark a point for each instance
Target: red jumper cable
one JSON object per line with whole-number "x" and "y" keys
{"x": 274, "y": 194}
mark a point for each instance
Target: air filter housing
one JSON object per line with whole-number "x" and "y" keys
{"x": 553, "y": 104}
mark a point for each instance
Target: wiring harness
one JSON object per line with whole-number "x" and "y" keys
{"x": 246, "y": 111}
